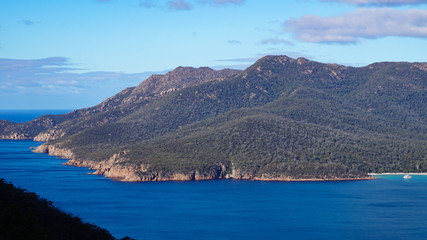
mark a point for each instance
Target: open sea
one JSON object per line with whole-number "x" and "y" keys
{"x": 387, "y": 208}
{"x": 27, "y": 115}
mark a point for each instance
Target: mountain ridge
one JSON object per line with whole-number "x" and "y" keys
{"x": 132, "y": 95}
{"x": 335, "y": 122}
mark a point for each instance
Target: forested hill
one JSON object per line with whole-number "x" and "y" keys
{"x": 281, "y": 118}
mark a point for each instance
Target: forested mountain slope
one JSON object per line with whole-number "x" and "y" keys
{"x": 281, "y": 118}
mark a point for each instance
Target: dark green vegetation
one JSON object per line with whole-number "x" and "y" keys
{"x": 24, "y": 215}
{"x": 281, "y": 117}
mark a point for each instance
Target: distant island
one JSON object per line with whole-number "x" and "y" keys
{"x": 280, "y": 119}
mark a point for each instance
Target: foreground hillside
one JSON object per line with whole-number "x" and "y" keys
{"x": 23, "y": 215}
{"x": 280, "y": 119}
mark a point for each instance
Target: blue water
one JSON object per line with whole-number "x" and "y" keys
{"x": 224, "y": 209}
{"x": 18, "y": 116}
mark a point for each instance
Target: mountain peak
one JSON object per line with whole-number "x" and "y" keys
{"x": 281, "y": 60}
{"x": 180, "y": 77}
{"x": 276, "y": 59}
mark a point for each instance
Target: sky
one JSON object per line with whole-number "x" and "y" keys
{"x": 71, "y": 54}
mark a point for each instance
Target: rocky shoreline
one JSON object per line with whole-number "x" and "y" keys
{"x": 16, "y": 136}
{"x": 127, "y": 172}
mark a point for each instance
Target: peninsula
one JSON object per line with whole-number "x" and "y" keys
{"x": 280, "y": 119}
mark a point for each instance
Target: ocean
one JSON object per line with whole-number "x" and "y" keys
{"x": 387, "y": 208}
{"x": 18, "y": 116}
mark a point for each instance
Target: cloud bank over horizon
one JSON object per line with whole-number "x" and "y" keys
{"x": 54, "y": 77}
{"x": 53, "y": 74}
{"x": 182, "y": 5}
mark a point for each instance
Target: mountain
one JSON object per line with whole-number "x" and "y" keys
{"x": 280, "y": 119}
{"x": 124, "y": 102}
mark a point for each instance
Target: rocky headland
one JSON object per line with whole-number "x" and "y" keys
{"x": 131, "y": 172}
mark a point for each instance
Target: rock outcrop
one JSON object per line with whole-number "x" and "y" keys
{"x": 54, "y": 151}
{"x": 16, "y": 136}
{"x": 49, "y": 135}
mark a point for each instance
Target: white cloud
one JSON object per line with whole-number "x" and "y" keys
{"x": 234, "y": 42}
{"x": 362, "y": 23}
{"x": 149, "y": 4}
{"x": 240, "y": 60}
{"x": 176, "y": 5}
{"x": 222, "y": 2}
{"x": 379, "y": 2}
{"x": 27, "y": 22}
{"x": 275, "y": 41}
{"x": 179, "y": 5}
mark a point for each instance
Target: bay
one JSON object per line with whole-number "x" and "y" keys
{"x": 223, "y": 209}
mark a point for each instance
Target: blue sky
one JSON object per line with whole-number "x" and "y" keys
{"x": 58, "y": 54}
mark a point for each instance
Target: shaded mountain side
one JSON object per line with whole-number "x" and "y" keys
{"x": 344, "y": 115}
{"x": 393, "y": 90}
{"x": 5, "y": 124}
{"x": 115, "y": 107}
{"x": 262, "y": 145}
{"x": 24, "y": 215}
{"x": 333, "y": 122}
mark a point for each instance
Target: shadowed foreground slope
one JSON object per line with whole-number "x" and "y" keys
{"x": 24, "y": 215}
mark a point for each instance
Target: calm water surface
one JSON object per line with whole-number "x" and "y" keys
{"x": 388, "y": 208}
{"x": 27, "y": 115}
